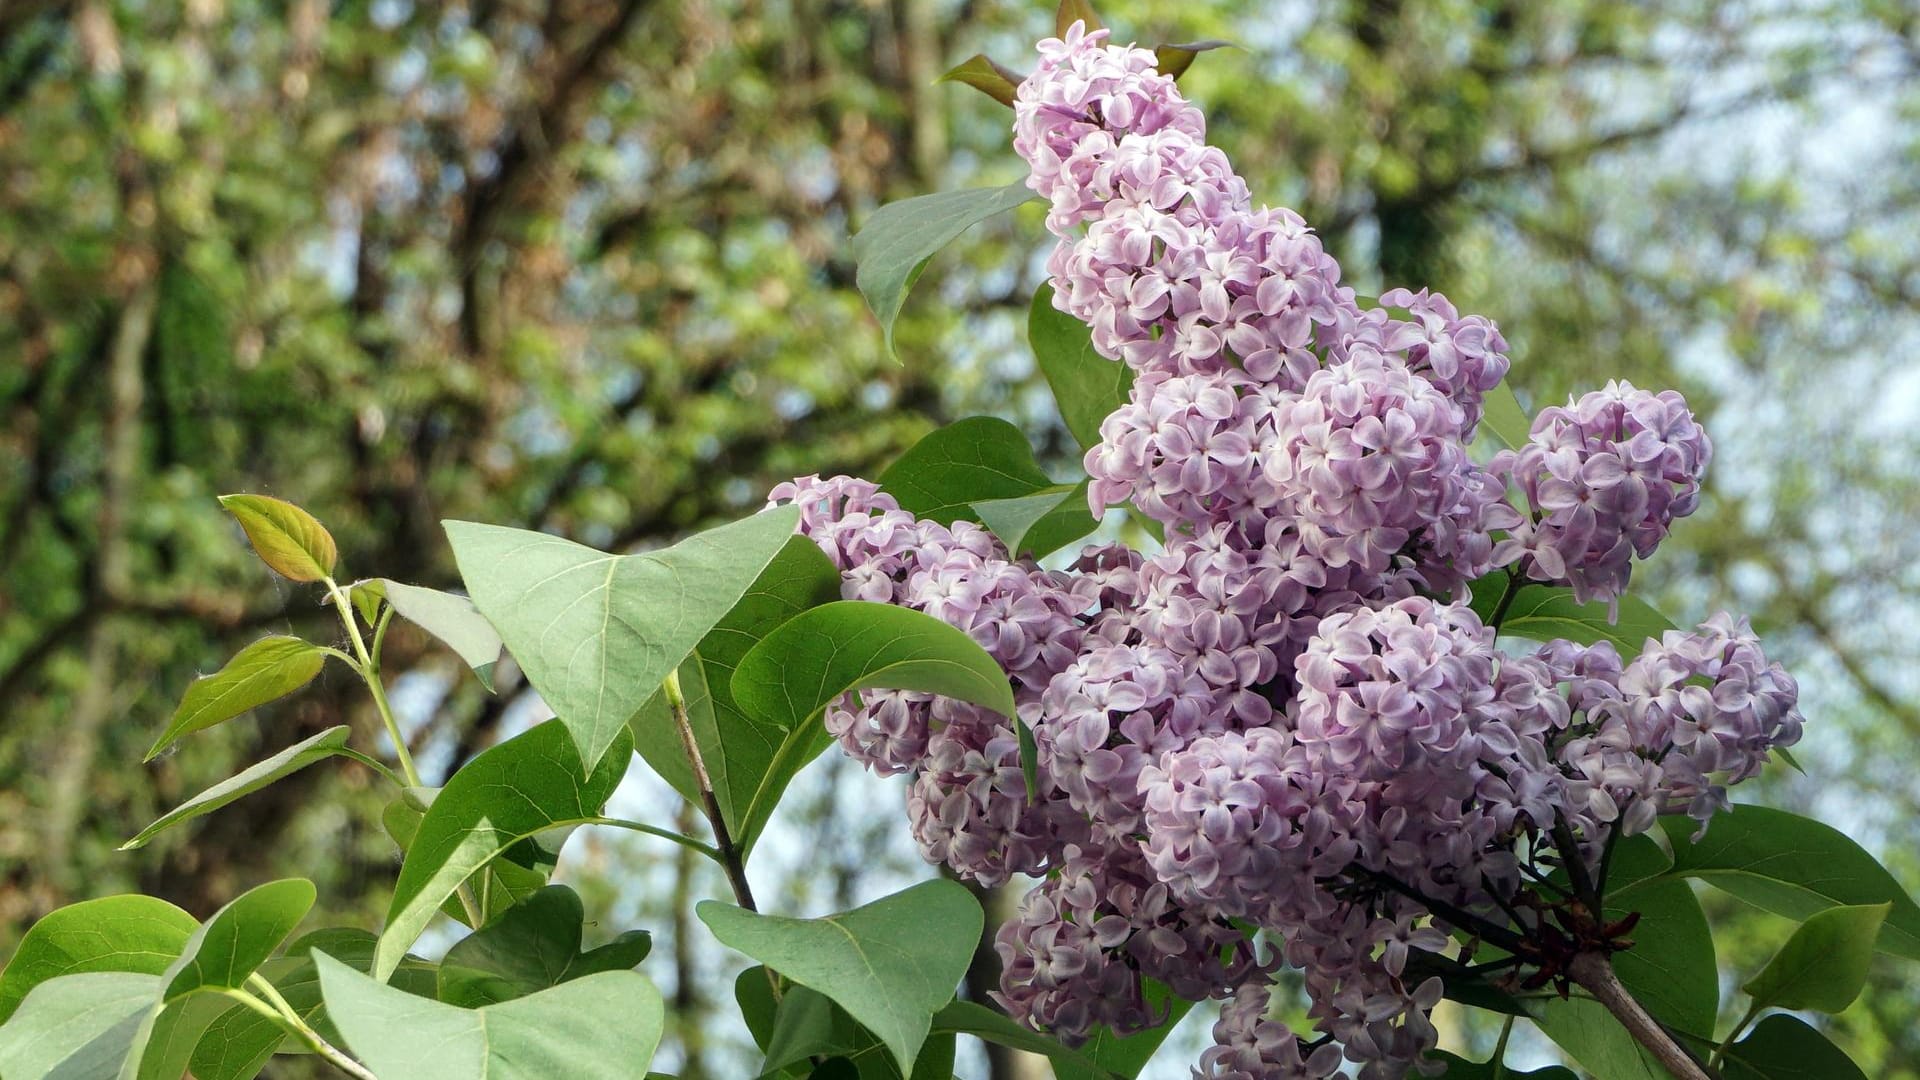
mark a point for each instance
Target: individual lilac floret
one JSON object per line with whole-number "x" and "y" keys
{"x": 1605, "y": 477}
{"x": 1248, "y": 1045}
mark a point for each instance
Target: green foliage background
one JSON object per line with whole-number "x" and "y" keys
{"x": 582, "y": 265}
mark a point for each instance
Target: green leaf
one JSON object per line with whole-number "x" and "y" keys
{"x": 1787, "y": 1048}
{"x": 239, "y": 938}
{"x": 1072, "y": 11}
{"x": 818, "y": 655}
{"x": 1459, "y": 1068}
{"x": 80, "y": 1027}
{"x": 136, "y": 934}
{"x": 264, "y": 671}
{"x": 326, "y": 744}
{"x": 286, "y": 538}
{"x": 595, "y": 633}
{"x": 986, "y": 76}
{"x": 1544, "y": 612}
{"x": 891, "y": 964}
{"x": 601, "y": 1027}
{"x": 534, "y": 945}
{"x": 1126, "y": 1055}
{"x": 894, "y": 245}
{"x": 453, "y": 619}
{"x": 529, "y": 784}
{"x": 239, "y": 1041}
{"x": 1087, "y": 387}
{"x": 968, "y": 461}
{"x": 1823, "y": 966}
{"x": 1793, "y": 866}
{"x": 1595, "y": 1040}
{"x": 1174, "y": 60}
{"x": 1502, "y": 420}
{"x": 742, "y": 753}
{"x": 973, "y": 1018}
{"x": 1041, "y": 523}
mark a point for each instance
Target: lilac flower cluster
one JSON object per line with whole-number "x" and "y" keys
{"x": 1286, "y": 718}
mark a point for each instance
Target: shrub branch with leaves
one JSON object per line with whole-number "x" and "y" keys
{"x": 1367, "y": 701}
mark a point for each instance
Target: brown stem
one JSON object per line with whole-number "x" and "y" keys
{"x": 722, "y": 838}
{"x": 1594, "y": 973}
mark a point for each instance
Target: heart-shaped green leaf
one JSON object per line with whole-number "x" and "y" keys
{"x": 80, "y": 1027}
{"x": 741, "y": 751}
{"x": 534, "y": 945}
{"x": 1793, "y": 866}
{"x": 878, "y": 962}
{"x": 239, "y": 937}
{"x": 453, "y": 619}
{"x": 136, "y": 934}
{"x": 597, "y": 634}
{"x": 288, "y": 539}
{"x": 1824, "y": 964}
{"x": 973, "y": 460}
{"x": 285, "y": 763}
{"x": 529, "y": 784}
{"x": 894, "y": 245}
{"x": 1787, "y": 1048}
{"x": 601, "y": 1027}
{"x": 820, "y": 654}
{"x": 1125, "y": 1055}
{"x": 1086, "y": 386}
{"x": 264, "y": 671}
{"x": 1545, "y": 612}
{"x": 1041, "y": 523}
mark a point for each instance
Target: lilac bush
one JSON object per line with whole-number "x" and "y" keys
{"x": 1287, "y": 721}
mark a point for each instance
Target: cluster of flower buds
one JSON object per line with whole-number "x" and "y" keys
{"x": 1287, "y": 719}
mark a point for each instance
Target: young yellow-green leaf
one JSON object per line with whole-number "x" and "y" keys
{"x": 597, "y": 634}
{"x": 1174, "y": 60}
{"x": 820, "y": 654}
{"x": 534, "y": 945}
{"x": 529, "y": 784}
{"x": 138, "y": 934}
{"x": 894, "y": 245}
{"x": 286, "y": 538}
{"x": 1042, "y": 523}
{"x": 1545, "y": 612}
{"x": 1087, "y": 387}
{"x": 1793, "y": 866}
{"x": 1786, "y": 1048}
{"x": 968, "y": 461}
{"x": 453, "y": 619}
{"x": 878, "y": 962}
{"x": 1502, "y": 421}
{"x": 264, "y": 671}
{"x": 1824, "y": 964}
{"x": 239, "y": 938}
{"x": 80, "y": 1027}
{"x": 983, "y": 74}
{"x": 285, "y": 763}
{"x": 742, "y": 753}
{"x": 602, "y": 1027}
{"x": 1072, "y": 11}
